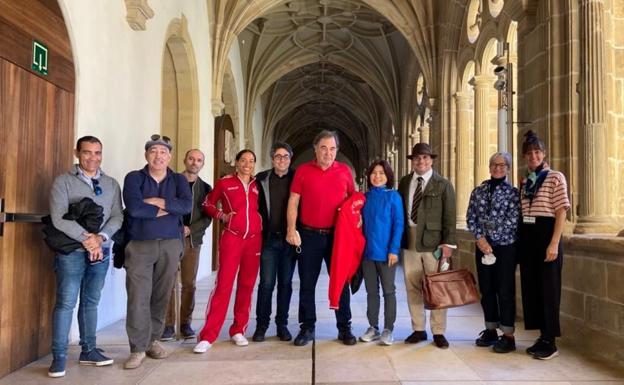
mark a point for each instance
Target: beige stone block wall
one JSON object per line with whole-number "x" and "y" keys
{"x": 614, "y": 78}
{"x": 592, "y": 300}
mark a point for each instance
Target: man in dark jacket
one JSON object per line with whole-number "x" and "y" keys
{"x": 156, "y": 200}
{"x": 277, "y": 260}
{"x": 429, "y": 206}
{"x": 195, "y": 225}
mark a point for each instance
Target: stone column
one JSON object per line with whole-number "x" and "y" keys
{"x": 462, "y": 153}
{"x": 483, "y": 84}
{"x": 424, "y": 134}
{"x": 593, "y": 197}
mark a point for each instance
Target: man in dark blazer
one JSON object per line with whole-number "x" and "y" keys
{"x": 429, "y": 206}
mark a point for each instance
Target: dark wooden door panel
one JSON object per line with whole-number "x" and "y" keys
{"x": 36, "y": 130}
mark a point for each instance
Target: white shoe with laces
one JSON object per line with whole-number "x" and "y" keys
{"x": 239, "y": 340}
{"x": 386, "y": 337}
{"x": 202, "y": 347}
{"x": 371, "y": 334}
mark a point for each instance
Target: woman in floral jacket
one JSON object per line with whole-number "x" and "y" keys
{"x": 492, "y": 217}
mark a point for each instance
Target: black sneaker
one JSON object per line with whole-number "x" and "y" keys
{"x": 187, "y": 331}
{"x": 347, "y": 337}
{"x": 304, "y": 336}
{"x": 57, "y": 368}
{"x": 258, "y": 335}
{"x": 505, "y": 344}
{"x": 94, "y": 357}
{"x": 168, "y": 334}
{"x": 283, "y": 334}
{"x": 487, "y": 337}
{"x": 547, "y": 352}
{"x": 538, "y": 345}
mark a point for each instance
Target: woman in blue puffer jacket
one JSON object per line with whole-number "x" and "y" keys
{"x": 383, "y": 227}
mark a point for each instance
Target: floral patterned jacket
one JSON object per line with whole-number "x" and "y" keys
{"x": 496, "y": 215}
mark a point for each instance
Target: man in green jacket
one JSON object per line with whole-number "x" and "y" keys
{"x": 429, "y": 206}
{"x": 195, "y": 225}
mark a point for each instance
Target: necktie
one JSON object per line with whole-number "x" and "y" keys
{"x": 418, "y": 194}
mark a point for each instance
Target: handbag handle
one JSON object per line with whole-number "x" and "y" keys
{"x": 449, "y": 260}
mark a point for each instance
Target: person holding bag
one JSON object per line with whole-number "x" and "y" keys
{"x": 383, "y": 228}
{"x": 429, "y": 226}
{"x": 492, "y": 217}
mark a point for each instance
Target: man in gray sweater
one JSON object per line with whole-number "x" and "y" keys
{"x": 83, "y": 270}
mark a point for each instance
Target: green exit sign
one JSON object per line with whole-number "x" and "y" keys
{"x": 39, "y": 58}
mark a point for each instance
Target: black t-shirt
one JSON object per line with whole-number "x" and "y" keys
{"x": 278, "y": 195}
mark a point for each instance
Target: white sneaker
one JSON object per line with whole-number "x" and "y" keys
{"x": 240, "y": 340}
{"x": 386, "y": 337}
{"x": 201, "y": 347}
{"x": 371, "y": 334}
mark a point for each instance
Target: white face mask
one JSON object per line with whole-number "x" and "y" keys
{"x": 488, "y": 259}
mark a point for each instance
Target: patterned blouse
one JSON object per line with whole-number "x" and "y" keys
{"x": 495, "y": 216}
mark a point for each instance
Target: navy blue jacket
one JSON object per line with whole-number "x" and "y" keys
{"x": 142, "y": 221}
{"x": 383, "y": 223}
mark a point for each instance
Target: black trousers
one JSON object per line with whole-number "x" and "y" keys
{"x": 541, "y": 281}
{"x": 497, "y": 284}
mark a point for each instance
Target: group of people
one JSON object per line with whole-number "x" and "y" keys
{"x": 281, "y": 218}
{"x": 524, "y": 227}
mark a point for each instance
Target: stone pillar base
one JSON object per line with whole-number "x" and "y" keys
{"x": 595, "y": 225}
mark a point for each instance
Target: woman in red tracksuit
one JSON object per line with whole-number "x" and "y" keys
{"x": 239, "y": 250}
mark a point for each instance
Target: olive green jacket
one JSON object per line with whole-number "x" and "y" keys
{"x": 436, "y": 213}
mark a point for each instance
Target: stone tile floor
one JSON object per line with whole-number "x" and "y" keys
{"x": 329, "y": 362}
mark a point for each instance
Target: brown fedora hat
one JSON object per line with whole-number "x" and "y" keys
{"x": 422, "y": 149}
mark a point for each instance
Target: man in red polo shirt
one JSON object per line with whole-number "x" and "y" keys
{"x": 317, "y": 191}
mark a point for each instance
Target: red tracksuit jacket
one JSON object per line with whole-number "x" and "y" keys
{"x": 348, "y": 246}
{"x": 231, "y": 192}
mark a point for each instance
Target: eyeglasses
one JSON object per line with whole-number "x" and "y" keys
{"x": 498, "y": 165}
{"x": 165, "y": 139}
{"x": 96, "y": 187}
{"x": 281, "y": 157}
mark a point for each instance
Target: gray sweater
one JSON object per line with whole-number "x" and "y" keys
{"x": 69, "y": 188}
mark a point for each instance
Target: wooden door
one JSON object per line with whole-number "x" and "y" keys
{"x": 36, "y": 139}
{"x": 223, "y": 124}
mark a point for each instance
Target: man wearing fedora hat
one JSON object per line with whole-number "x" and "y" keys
{"x": 429, "y": 206}
{"x": 156, "y": 199}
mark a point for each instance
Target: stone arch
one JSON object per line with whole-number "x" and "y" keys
{"x": 180, "y": 94}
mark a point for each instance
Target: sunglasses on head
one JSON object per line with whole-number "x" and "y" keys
{"x": 96, "y": 187}
{"x": 165, "y": 139}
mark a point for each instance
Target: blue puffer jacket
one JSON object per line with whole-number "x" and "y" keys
{"x": 383, "y": 223}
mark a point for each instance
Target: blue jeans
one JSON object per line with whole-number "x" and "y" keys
{"x": 276, "y": 262}
{"x": 76, "y": 275}
{"x": 316, "y": 248}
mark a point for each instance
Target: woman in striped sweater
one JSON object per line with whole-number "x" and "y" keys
{"x": 544, "y": 199}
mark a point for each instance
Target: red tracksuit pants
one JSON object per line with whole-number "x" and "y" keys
{"x": 238, "y": 258}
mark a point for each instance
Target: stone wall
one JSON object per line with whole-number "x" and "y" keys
{"x": 592, "y": 300}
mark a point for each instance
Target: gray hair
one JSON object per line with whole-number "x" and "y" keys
{"x": 277, "y": 145}
{"x": 504, "y": 155}
{"x": 324, "y": 135}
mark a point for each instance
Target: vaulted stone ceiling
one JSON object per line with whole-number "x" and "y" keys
{"x": 334, "y": 64}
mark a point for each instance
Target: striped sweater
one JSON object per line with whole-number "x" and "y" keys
{"x": 551, "y": 196}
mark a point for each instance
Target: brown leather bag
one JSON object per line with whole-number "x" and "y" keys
{"x": 449, "y": 288}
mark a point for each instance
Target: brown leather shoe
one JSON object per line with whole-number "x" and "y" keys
{"x": 135, "y": 360}
{"x": 440, "y": 341}
{"x": 157, "y": 351}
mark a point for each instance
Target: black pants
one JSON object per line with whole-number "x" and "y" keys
{"x": 541, "y": 281}
{"x": 497, "y": 283}
{"x": 317, "y": 248}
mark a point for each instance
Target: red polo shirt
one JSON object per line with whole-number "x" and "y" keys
{"x": 322, "y": 192}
